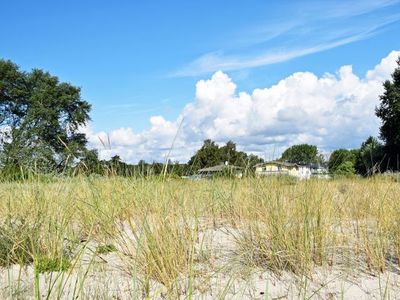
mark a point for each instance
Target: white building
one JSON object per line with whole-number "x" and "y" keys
{"x": 299, "y": 171}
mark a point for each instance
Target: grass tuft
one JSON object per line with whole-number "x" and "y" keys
{"x": 44, "y": 264}
{"x": 105, "y": 249}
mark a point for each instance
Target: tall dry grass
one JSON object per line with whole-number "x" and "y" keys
{"x": 156, "y": 224}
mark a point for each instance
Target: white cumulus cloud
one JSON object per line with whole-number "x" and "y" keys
{"x": 335, "y": 110}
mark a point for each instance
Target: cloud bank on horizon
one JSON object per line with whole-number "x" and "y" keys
{"x": 332, "y": 111}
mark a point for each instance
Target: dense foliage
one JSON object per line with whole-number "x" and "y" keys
{"x": 40, "y": 120}
{"x": 210, "y": 154}
{"x": 301, "y": 154}
{"x": 389, "y": 113}
{"x": 343, "y": 159}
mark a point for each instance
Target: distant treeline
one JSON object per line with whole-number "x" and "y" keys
{"x": 210, "y": 154}
{"x": 40, "y": 119}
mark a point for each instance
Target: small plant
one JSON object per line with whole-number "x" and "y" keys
{"x": 105, "y": 249}
{"x": 44, "y": 264}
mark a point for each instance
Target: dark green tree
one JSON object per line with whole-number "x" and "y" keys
{"x": 252, "y": 160}
{"x": 90, "y": 163}
{"x": 370, "y": 157}
{"x": 341, "y": 159}
{"x": 208, "y": 155}
{"x": 389, "y": 113}
{"x": 42, "y": 116}
{"x": 228, "y": 153}
{"x": 345, "y": 169}
{"x": 142, "y": 168}
{"x": 302, "y": 153}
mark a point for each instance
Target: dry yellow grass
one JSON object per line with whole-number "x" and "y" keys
{"x": 276, "y": 224}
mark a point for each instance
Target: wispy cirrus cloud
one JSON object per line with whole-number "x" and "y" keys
{"x": 324, "y": 27}
{"x": 215, "y": 61}
{"x": 355, "y": 8}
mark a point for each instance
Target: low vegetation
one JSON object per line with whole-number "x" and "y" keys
{"x": 45, "y": 264}
{"x": 157, "y": 228}
{"x": 105, "y": 249}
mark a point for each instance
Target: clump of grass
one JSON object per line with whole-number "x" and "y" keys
{"x": 44, "y": 264}
{"x": 296, "y": 228}
{"x": 18, "y": 242}
{"x": 105, "y": 249}
{"x": 162, "y": 250}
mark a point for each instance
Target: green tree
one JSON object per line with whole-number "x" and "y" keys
{"x": 208, "y": 155}
{"x": 252, "y": 160}
{"x": 340, "y": 156}
{"x": 42, "y": 116}
{"x": 370, "y": 157}
{"x": 142, "y": 168}
{"x": 302, "y": 153}
{"x": 389, "y": 113}
{"x": 346, "y": 168}
{"x": 228, "y": 153}
{"x": 90, "y": 163}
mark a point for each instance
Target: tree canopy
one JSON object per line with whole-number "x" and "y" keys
{"x": 302, "y": 153}
{"x": 210, "y": 154}
{"x": 389, "y": 113}
{"x": 343, "y": 161}
{"x": 40, "y": 120}
{"x": 370, "y": 157}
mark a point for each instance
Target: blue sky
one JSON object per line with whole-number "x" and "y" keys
{"x": 135, "y": 60}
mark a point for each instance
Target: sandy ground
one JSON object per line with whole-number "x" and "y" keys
{"x": 107, "y": 277}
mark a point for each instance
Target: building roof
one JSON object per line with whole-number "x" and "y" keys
{"x": 218, "y": 168}
{"x": 275, "y": 162}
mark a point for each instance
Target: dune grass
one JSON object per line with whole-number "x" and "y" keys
{"x": 154, "y": 226}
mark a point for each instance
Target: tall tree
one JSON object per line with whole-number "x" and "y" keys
{"x": 389, "y": 113}
{"x": 302, "y": 153}
{"x": 41, "y": 116}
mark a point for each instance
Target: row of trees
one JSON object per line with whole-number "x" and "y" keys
{"x": 366, "y": 160}
{"x": 210, "y": 154}
{"x": 40, "y": 119}
{"x": 91, "y": 164}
